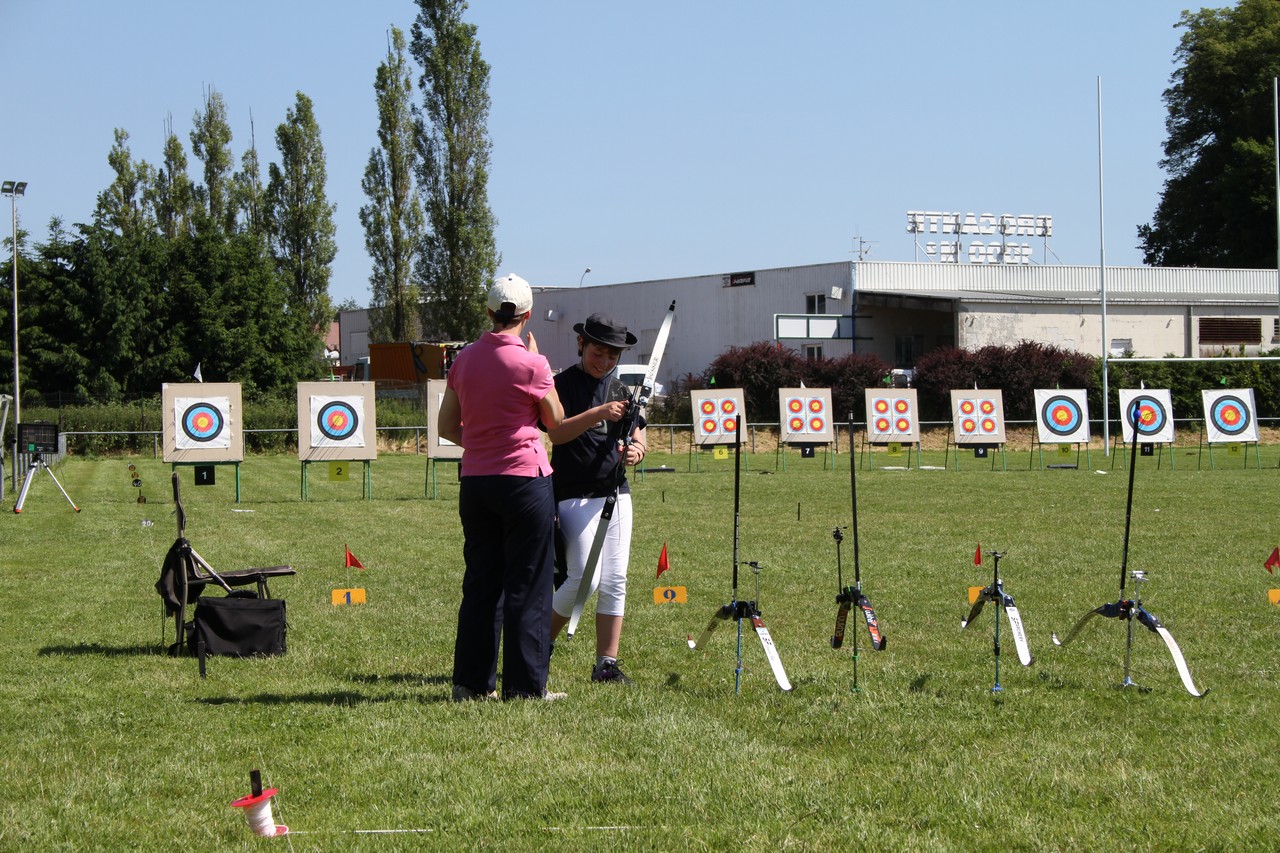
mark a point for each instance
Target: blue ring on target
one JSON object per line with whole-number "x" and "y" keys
{"x": 1159, "y": 416}
{"x": 1225, "y": 403}
{"x": 202, "y": 422}
{"x": 337, "y": 420}
{"x": 1061, "y": 404}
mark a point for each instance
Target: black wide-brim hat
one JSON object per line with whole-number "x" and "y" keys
{"x": 603, "y": 329}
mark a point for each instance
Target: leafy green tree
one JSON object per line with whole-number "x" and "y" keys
{"x": 1217, "y": 208}
{"x": 300, "y": 219}
{"x": 211, "y": 143}
{"x": 393, "y": 220}
{"x": 459, "y": 256}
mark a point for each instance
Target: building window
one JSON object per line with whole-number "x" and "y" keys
{"x": 906, "y": 349}
{"x": 1120, "y": 346}
{"x": 813, "y": 352}
{"x": 1230, "y": 330}
{"x": 815, "y": 303}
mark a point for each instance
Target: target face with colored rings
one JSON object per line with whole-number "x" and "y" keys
{"x": 1061, "y": 415}
{"x": 1230, "y": 415}
{"x": 817, "y": 424}
{"x": 730, "y": 425}
{"x": 795, "y": 405}
{"x": 337, "y": 420}
{"x": 968, "y": 425}
{"x": 967, "y": 407}
{"x": 796, "y": 424}
{"x": 708, "y": 407}
{"x": 202, "y": 422}
{"x": 709, "y": 425}
{"x": 1151, "y": 415}
{"x": 728, "y": 406}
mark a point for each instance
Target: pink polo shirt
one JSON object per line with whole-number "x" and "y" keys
{"x": 499, "y": 384}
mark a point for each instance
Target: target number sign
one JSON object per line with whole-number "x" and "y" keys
{"x": 1148, "y": 411}
{"x": 805, "y": 415}
{"x": 1229, "y": 415}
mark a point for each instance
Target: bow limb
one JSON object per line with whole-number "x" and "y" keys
{"x": 1071, "y": 635}
{"x": 1019, "y": 634}
{"x": 975, "y": 610}
{"x": 722, "y": 614}
{"x": 842, "y": 615}
{"x": 873, "y": 624}
{"x": 1151, "y": 622}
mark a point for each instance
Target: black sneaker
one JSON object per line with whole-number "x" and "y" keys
{"x": 609, "y": 671}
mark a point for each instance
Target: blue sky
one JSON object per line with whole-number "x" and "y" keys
{"x": 644, "y": 140}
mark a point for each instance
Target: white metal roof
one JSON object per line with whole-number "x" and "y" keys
{"x": 1002, "y": 282}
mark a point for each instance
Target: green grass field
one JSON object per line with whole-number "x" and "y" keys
{"x": 111, "y": 744}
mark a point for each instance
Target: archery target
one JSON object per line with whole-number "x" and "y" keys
{"x": 715, "y": 415}
{"x": 805, "y": 415}
{"x": 337, "y": 422}
{"x": 1154, "y": 415}
{"x": 437, "y": 447}
{"x": 203, "y": 423}
{"x": 336, "y": 426}
{"x": 1229, "y": 415}
{"x": 200, "y": 422}
{"x": 977, "y": 417}
{"x": 1062, "y": 416}
{"x": 892, "y": 416}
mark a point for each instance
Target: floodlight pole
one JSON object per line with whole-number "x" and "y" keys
{"x": 1275, "y": 112}
{"x": 584, "y": 275}
{"x": 13, "y": 189}
{"x": 1102, "y": 285}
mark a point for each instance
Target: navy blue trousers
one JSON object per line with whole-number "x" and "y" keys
{"x": 508, "y": 524}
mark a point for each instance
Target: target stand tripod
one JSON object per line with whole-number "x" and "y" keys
{"x": 39, "y": 438}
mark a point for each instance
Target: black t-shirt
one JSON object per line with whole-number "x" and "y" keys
{"x": 587, "y": 467}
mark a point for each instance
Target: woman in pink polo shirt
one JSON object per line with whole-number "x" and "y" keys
{"x": 500, "y": 390}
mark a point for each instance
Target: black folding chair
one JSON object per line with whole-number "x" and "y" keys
{"x": 185, "y": 574}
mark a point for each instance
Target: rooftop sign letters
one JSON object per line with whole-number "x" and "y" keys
{"x": 1002, "y": 226}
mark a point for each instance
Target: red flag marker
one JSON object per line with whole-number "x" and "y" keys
{"x": 977, "y": 555}
{"x": 1272, "y": 561}
{"x": 663, "y": 564}
{"x": 351, "y": 559}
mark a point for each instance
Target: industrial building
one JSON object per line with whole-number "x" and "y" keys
{"x": 901, "y": 310}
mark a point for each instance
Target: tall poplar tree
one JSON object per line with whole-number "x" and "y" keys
{"x": 458, "y": 256}
{"x": 393, "y": 221}
{"x": 300, "y": 226}
{"x": 211, "y": 143}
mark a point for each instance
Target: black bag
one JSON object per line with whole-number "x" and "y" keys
{"x": 238, "y": 626}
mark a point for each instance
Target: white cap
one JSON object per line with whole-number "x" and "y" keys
{"x": 512, "y": 289}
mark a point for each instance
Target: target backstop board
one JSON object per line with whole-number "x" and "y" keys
{"x": 336, "y": 421}
{"x": 202, "y": 422}
{"x": 437, "y": 447}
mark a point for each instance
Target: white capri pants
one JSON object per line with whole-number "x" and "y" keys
{"x": 578, "y": 522}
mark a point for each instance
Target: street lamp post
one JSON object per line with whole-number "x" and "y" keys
{"x": 13, "y": 189}
{"x": 584, "y": 275}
